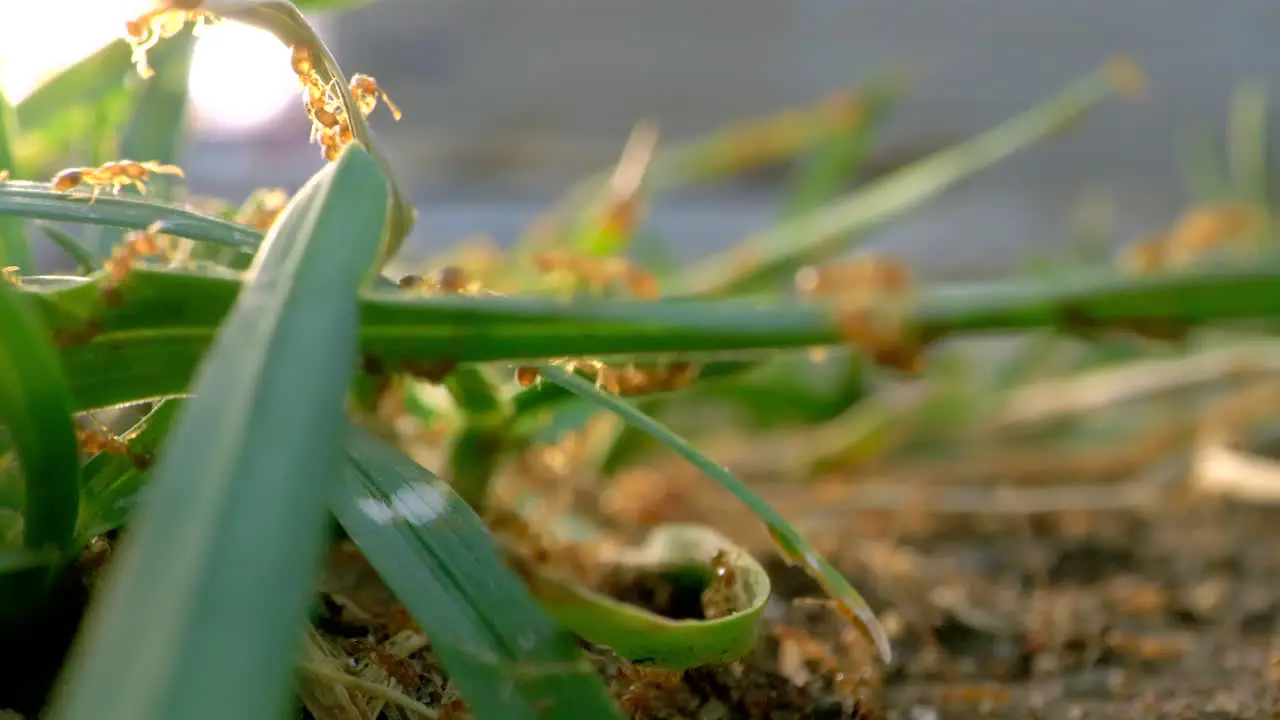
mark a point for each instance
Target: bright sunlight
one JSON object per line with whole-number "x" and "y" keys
{"x": 240, "y": 76}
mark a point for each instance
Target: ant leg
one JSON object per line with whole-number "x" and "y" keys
{"x": 96, "y": 189}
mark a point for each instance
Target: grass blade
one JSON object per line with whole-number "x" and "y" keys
{"x": 110, "y": 482}
{"x": 1247, "y": 142}
{"x": 836, "y": 161}
{"x": 282, "y": 19}
{"x": 793, "y": 546}
{"x": 509, "y": 658}
{"x": 15, "y": 247}
{"x": 36, "y": 405}
{"x": 148, "y": 345}
{"x": 83, "y": 256}
{"x": 203, "y": 609}
{"x": 776, "y": 253}
{"x": 684, "y": 555}
{"x": 71, "y": 105}
{"x": 158, "y": 127}
{"x": 36, "y": 200}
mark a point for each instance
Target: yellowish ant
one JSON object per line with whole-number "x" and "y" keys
{"x": 365, "y": 91}
{"x": 11, "y": 275}
{"x": 116, "y": 174}
{"x": 160, "y": 23}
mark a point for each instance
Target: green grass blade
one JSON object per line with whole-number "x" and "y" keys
{"x": 282, "y": 19}
{"x": 37, "y": 201}
{"x": 508, "y": 657}
{"x": 148, "y": 345}
{"x": 85, "y": 258}
{"x": 793, "y": 546}
{"x": 15, "y": 246}
{"x": 1202, "y": 170}
{"x": 1247, "y": 142}
{"x": 833, "y": 163}
{"x": 36, "y": 406}
{"x": 70, "y": 107}
{"x": 202, "y": 613}
{"x": 774, "y": 254}
{"x": 110, "y": 483}
{"x": 329, "y": 5}
{"x": 683, "y": 555}
{"x": 157, "y": 129}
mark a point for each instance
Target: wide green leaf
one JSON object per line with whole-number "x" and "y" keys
{"x": 790, "y": 543}
{"x": 509, "y": 658}
{"x": 202, "y": 612}
{"x": 36, "y": 406}
{"x": 15, "y": 246}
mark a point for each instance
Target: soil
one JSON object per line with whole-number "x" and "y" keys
{"x": 1168, "y": 614}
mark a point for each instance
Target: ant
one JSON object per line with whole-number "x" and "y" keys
{"x": 148, "y": 29}
{"x": 142, "y": 244}
{"x": 117, "y": 174}
{"x": 11, "y": 275}
{"x": 365, "y": 91}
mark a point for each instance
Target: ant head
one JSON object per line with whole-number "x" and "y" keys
{"x": 67, "y": 179}
{"x": 135, "y": 30}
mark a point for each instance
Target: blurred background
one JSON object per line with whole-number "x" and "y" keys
{"x": 507, "y": 103}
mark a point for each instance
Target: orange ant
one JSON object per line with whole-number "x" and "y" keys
{"x": 102, "y": 440}
{"x": 262, "y": 208}
{"x": 143, "y": 244}
{"x": 725, "y": 594}
{"x": 365, "y": 91}
{"x": 148, "y": 29}
{"x": 117, "y": 174}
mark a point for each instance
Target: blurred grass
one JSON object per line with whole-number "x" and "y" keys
{"x": 247, "y": 465}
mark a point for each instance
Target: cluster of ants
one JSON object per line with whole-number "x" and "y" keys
{"x": 330, "y": 125}
{"x": 871, "y": 295}
{"x": 163, "y": 22}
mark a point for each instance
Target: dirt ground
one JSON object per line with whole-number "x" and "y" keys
{"x": 1167, "y": 614}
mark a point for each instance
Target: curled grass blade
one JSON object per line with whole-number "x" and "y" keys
{"x": 158, "y": 126}
{"x": 682, "y": 555}
{"x": 508, "y": 656}
{"x": 15, "y": 246}
{"x": 38, "y": 201}
{"x": 282, "y": 19}
{"x": 203, "y": 609}
{"x": 36, "y": 406}
{"x": 793, "y": 546}
{"x": 776, "y": 253}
